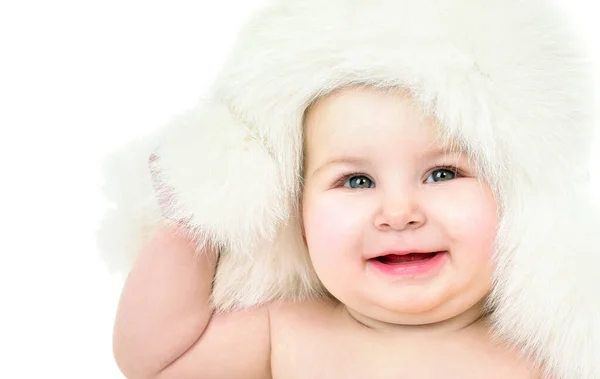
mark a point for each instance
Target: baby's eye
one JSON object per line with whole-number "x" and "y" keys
{"x": 440, "y": 175}
{"x": 359, "y": 181}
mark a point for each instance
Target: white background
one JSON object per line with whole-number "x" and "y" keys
{"x": 77, "y": 79}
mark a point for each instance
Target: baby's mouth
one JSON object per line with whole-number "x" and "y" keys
{"x": 394, "y": 259}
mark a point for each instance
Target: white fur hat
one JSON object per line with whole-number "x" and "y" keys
{"x": 504, "y": 79}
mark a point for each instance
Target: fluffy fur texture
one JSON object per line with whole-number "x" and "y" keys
{"x": 505, "y": 81}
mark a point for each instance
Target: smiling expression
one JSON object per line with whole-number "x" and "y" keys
{"x": 378, "y": 186}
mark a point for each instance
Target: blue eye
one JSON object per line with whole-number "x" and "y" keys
{"x": 441, "y": 175}
{"x": 359, "y": 181}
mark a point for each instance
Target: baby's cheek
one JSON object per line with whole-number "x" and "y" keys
{"x": 332, "y": 228}
{"x": 485, "y": 228}
{"x": 474, "y": 222}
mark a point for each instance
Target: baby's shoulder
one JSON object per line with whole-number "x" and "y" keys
{"x": 305, "y": 340}
{"x": 307, "y": 311}
{"x": 304, "y": 317}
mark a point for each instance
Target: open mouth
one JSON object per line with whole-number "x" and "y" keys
{"x": 410, "y": 265}
{"x": 393, "y": 259}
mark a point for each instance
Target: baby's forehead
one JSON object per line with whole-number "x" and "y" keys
{"x": 356, "y": 120}
{"x": 358, "y": 131}
{"x": 363, "y": 108}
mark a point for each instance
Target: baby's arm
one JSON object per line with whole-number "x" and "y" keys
{"x": 164, "y": 326}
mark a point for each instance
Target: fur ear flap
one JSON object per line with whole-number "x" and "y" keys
{"x": 224, "y": 183}
{"x": 224, "y": 180}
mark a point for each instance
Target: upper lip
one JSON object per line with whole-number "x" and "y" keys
{"x": 403, "y": 252}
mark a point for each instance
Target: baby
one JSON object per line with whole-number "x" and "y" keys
{"x": 370, "y": 189}
{"x": 400, "y": 231}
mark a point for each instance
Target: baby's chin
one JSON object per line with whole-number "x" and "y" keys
{"x": 440, "y": 318}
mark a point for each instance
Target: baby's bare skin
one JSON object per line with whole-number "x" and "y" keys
{"x": 320, "y": 340}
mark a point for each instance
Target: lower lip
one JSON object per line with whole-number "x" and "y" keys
{"x": 411, "y": 269}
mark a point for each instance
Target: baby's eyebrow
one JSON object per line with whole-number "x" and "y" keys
{"x": 340, "y": 160}
{"x": 441, "y": 152}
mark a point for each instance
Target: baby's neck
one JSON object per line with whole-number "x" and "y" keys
{"x": 475, "y": 317}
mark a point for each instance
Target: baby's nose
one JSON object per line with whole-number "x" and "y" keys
{"x": 399, "y": 212}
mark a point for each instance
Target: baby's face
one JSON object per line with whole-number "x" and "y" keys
{"x": 377, "y": 187}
